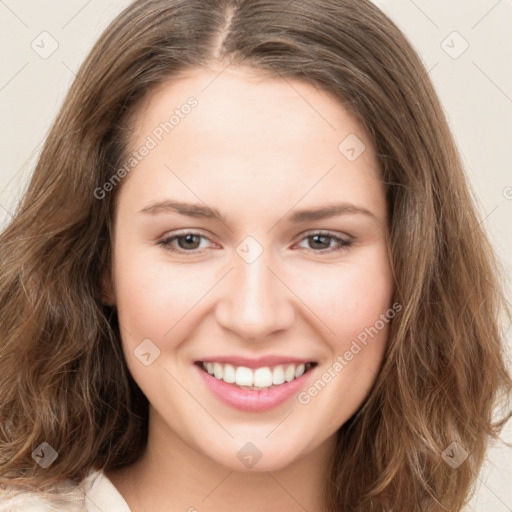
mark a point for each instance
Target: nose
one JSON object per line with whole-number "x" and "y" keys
{"x": 255, "y": 302}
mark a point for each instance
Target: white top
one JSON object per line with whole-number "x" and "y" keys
{"x": 96, "y": 493}
{"x": 102, "y": 496}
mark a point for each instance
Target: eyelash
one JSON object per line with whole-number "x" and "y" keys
{"x": 343, "y": 243}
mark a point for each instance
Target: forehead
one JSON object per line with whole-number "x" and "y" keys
{"x": 246, "y": 107}
{"x": 253, "y": 135}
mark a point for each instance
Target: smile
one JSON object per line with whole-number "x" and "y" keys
{"x": 257, "y": 389}
{"x": 258, "y": 378}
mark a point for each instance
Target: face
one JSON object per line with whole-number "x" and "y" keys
{"x": 251, "y": 235}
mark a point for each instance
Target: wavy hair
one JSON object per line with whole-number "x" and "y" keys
{"x": 63, "y": 379}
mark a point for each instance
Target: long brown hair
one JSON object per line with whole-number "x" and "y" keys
{"x": 63, "y": 379}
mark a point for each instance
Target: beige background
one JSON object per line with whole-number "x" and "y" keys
{"x": 475, "y": 87}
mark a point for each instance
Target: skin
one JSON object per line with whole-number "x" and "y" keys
{"x": 257, "y": 149}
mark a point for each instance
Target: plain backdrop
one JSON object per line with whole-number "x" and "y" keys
{"x": 465, "y": 45}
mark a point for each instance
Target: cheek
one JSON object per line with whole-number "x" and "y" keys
{"x": 156, "y": 300}
{"x": 352, "y": 297}
{"x": 355, "y": 303}
{"x": 153, "y": 297}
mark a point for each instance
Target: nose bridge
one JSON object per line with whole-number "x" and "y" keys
{"x": 254, "y": 302}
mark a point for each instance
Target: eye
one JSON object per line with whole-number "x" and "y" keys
{"x": 190, "y": 242}
{"x": 185, "y": 242}
{"x": 322, "y": 240}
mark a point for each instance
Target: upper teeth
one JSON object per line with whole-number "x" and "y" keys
{"x": 259, "y": 377}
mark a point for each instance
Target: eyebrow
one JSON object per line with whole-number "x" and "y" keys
{"x": 298, "y": 216}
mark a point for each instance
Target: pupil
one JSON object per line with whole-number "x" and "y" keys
{"x": 317, "y": 237}
{"x": 188, "y": 240}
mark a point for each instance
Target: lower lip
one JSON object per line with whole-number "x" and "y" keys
{"x": 253, "y": 400}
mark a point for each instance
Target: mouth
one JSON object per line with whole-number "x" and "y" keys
{"x": 257, "y": 379}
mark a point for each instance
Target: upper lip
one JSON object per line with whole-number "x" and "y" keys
{"x": 258, "y": 362}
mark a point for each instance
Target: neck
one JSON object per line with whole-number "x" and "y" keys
{"x": 172, "y": 476}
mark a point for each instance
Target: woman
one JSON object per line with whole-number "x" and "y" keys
{"x": 332, "y": 342}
